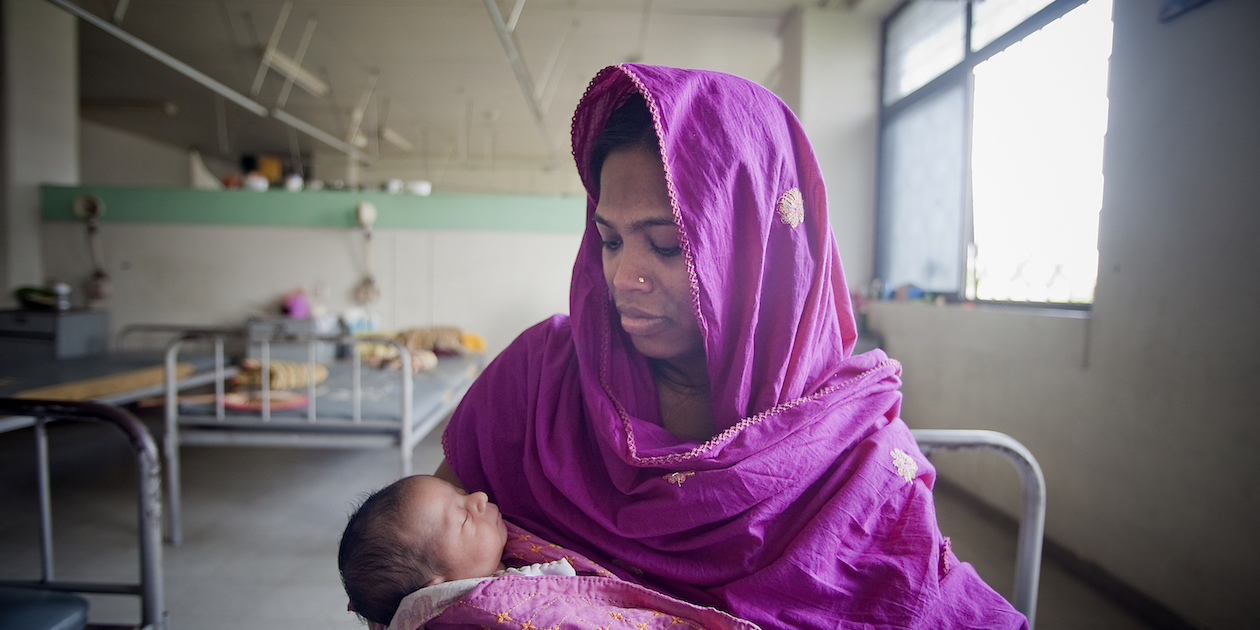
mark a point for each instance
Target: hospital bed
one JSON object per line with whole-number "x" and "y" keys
{"x": 1032, "y": 519}
{"x": 49, "y": 602}
{"x": 355, "y": 407}
{"x": 116, "y": 378}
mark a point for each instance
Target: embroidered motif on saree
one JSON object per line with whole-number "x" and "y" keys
{"x": 791, "y": 207}
{"x": 906, "y": 466}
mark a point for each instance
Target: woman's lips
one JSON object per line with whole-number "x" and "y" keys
{"x": 639, "y": 322}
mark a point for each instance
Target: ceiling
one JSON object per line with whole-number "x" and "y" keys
{"x": 435, "y": 73}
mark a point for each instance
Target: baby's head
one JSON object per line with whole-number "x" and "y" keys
{"x": 417, "y": 532}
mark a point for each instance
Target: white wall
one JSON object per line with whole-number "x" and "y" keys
{"x": 492, "y": 283}
{"x": 1143, "y": 416}
{"x": 830, "y": 78}
{"x": 40, "y": 129}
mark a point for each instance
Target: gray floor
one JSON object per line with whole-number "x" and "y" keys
{"x": 261, "y": 530}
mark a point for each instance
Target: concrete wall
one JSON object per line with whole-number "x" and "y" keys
{"x": 1144, "y": 414}
{"x": 40, "y": 92}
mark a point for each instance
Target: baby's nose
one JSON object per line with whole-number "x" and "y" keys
{"x": 480, "y": 499}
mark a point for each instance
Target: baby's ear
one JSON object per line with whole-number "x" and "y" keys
{"x": 437, "y": 579}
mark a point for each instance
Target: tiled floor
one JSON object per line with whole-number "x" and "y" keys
{"x": 261, "y": 531}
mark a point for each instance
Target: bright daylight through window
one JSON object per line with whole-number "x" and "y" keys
{"x": 991, "y": 171}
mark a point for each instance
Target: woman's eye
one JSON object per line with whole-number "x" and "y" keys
{"x": 611, "y": 245}
{"x": 667, "y": 252}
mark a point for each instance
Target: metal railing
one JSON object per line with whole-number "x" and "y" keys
{"x": 1032, "y": 521}
{"x": 219, "y": 336}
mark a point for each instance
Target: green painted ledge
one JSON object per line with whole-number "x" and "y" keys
{"x": 324, "y": 208}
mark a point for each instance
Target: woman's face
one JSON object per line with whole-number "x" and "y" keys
{"x": 643, "y": 261}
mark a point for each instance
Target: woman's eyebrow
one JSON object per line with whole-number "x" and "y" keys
{"x": 637, "y": 225}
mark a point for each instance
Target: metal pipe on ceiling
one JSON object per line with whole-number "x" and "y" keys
{"x": 173, "y": 63}
{"x": 297, "y": 62}
{"x": 120, "y": 11}
{"x": 271, "y": 46}
{"x": 214, "y": 86}
{"x": 365, "y": 99}
{"x": 545, "y": 76}
{"x": 522, "y": 77}
{"x": 318, "y": 134}
{"x": 516, "y": 15}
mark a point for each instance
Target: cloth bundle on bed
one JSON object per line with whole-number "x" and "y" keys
{"x": 283, "y": 374}
{"x": 425, "y": 344}
{"x": 593, "y": 598}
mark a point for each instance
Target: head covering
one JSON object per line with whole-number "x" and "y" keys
{"x": 769, "y": 292}
{"x": 812, "y": 504}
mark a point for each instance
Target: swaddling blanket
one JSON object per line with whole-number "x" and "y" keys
{"x": 562, "y": 590}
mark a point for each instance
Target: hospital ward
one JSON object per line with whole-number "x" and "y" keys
{"x": 629, "y": 314}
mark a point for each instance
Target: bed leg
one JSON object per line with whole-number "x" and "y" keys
{"x": 170, "y": 444}
{"x": 45, "y": 499}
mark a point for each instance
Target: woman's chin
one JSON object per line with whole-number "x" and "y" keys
{"x": 668, "y": 350}
{"x": 652, "y": 348}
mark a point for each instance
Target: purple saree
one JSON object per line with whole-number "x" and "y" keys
{"x": 812, "y": 506}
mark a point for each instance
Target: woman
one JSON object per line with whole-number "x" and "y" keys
{"x": 698, "y": 423}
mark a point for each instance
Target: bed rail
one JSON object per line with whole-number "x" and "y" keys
{"x": 1032, "y": 521}
{"x": 149, "y": 500}
{"x": 361, "y": 429}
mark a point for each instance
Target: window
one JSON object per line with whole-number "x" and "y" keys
{"x": 993, "y": 119}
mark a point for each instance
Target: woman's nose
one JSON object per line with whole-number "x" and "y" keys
{"x": 630, "y": 275}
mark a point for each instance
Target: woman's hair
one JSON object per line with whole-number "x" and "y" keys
{"x": 629, "y": 127}
{"x": 379, "y": 568}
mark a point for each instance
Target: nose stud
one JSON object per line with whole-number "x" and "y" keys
{"x": 641, "y": 280}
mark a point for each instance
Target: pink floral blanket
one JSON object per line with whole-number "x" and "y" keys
{"x": 594, "y": 599}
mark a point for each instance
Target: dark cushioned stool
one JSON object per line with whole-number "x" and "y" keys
{"x": 33, "y": 609}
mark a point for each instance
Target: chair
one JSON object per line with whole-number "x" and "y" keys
{"x": 1032, "y": 521}
{"x": 47, "y": 602}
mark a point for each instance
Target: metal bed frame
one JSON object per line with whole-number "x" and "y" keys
{"x": 197, "y": 379}
{"x": 149, "y": 495}
{"x": 1032, "y": 520}
{"x": 266, "y": 429}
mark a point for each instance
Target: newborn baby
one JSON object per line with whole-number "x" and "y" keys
{"x": 419, "y": 532}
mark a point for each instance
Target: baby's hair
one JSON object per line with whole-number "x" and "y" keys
{"x": 379, "y": 568}
{"x": 629, "y": 127}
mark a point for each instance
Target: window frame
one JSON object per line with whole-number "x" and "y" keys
{"x": 959, "y": 74}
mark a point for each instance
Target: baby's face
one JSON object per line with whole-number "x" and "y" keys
{"x": 466, "y": 530}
